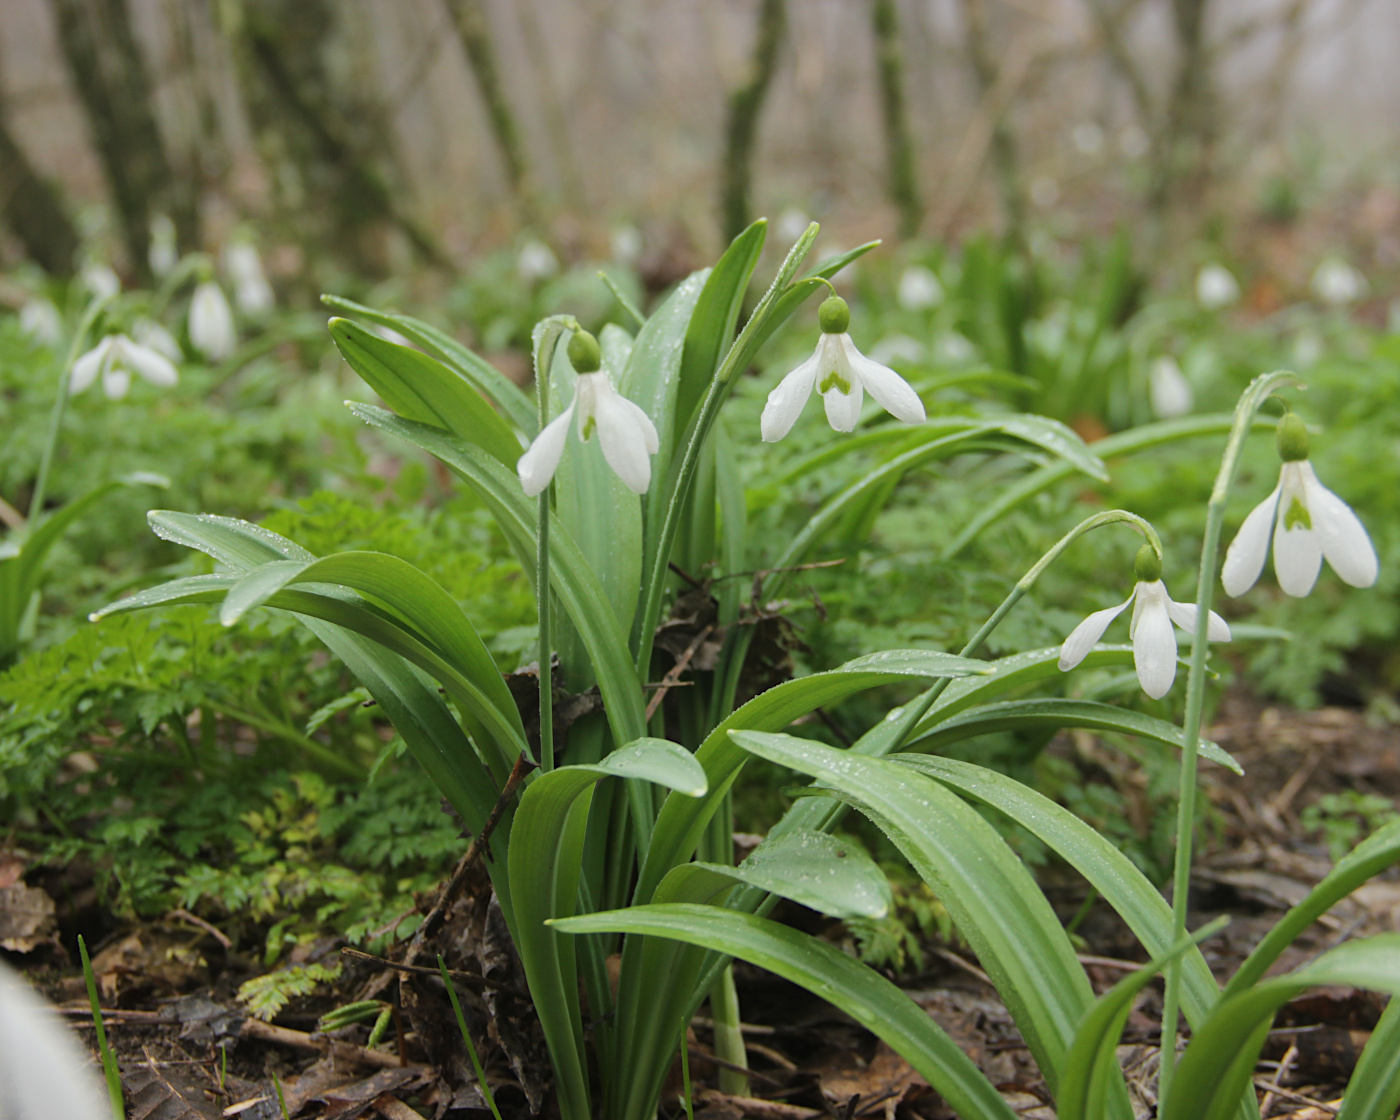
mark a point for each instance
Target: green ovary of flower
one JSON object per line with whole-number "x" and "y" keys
{"x": 834, "y": 378}
{"x": 1296, "y": 516}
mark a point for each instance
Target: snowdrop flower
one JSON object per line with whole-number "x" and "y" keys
{"x": 919, "y": 289}
{"x": 625, "y": 432}
{"x": 251, "y": 291}
{"x": 114, "y": 359}
{"x": 897, "y": 348}
{"x": 211, "y": 322}
{"x": 1134, "y": 142}
{"x": 1308, "y": 524}
{"x": 792, "y": 223}
{"x": 100, "y": 281}
{"x": 1088, "y": 138}
{"x": 45, "y": 1073}
{"x": 163, "y": 255}
{"x": 1154, "y": 640}
{"x": 1336, "y": 283}
{"x": 1216, "y": 287}
{"x": 40, "y": 320}
{"x": 153, "y": 336}
{"x": 1168, "y": 388}
{"x": 627, "y": 244}
{"x": 840, "y": 373}
{"x": 536, "y": 261}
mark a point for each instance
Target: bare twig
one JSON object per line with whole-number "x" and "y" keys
{"x": 312, "y": 1044}
{"x": 194, "y": 920}
{"x": 669, "y": 680}
{"x": 455, "y": 973}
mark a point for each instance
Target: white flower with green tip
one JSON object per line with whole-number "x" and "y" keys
{"x": 625, "y": 432}
{"x": 211, "y": 322}
{"x": 1308, "y": 524}
{"x": 841, "y": 374}
{"x": 114, "y": 359}
{"x": 1154, "y": 640}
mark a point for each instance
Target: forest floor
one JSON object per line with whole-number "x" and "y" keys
{"x": 187, "y": 1049}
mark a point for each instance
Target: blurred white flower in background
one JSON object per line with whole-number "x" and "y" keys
{"x": 1168, "y": 389}
{"x": 114, "y": 359}
{"x": 536, "y": 261}
{"x": 40, "y": 320}
{"x": 626, "y": 243}
{"x": 388, "y": 334}
{"x": 1088, "y": 138}
{"x": 1308, "y": 347}
{"x": 99, "y": 281}
{"x": 164, "y": 254}
{"x": 251, "y": 291}
{"x": 1336, "y": 283}
{"x": 211, "y": 322}
{"x": 953, "y": 349}
{"x": 918, "y": 288}
{"x": 1216, "y": 287}
{"x": 897, "y": 348}
{"x": 792, "y": 223}
{"x": 153, "y": 336}
{"x": 45, "y": 1072}
{"x": 1044, "y": 192}
{"x": 1134, "y": 142}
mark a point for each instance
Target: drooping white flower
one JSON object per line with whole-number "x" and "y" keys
{"x": 1336, "y": 283}
{"x": 45, "y": 1072}
{"x": 625, "y": 432}
{"x": 1154, "y": 640}
{"x": 536, "y": 261}
{"x": 1088, "y": 138}
{"x": 792, "y": 223}
{"x": 1134, "y": 142}
{"x": 251, "y": 291}
{"x": 99, "y": 280}
{"x": 211, "y": 322}
{"x": 1045, "y": 192}
{"x": 40, "y": 320}
{"x": 1168, "y": 388}
{"x": 898, "y": 348}
{"x": 113, "y": 360}
{"x": 627, "y": 244}
{"x": 153, "y": 336}
{"x": 918, "y": 288}
{"x": 1308, "y": 524}
{"x": 164, "y": 254}
{"x": 1216, "y": 287}
{"x": 841, "y": 374}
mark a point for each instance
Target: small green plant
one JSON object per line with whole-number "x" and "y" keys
{"x": 467, "y": 1040}
{"x": 1346, "y": 817}
{"x": 266, "y": 995}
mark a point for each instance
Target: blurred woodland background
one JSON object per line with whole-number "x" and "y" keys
{"x": 377, "y": 137}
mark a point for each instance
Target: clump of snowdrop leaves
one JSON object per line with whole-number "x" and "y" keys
{"x": 211, "y": 322}
{"x": 1154, "y": 640}
{"x": 114, "y": 359}
{"x": 1307, "y": 522}
{"x": 841, "y": 374}
{"x": 626, "y": 433}
{"x": 1216, "y": 287}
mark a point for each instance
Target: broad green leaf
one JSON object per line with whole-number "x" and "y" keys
{"x": 495, "y": 385}
{"x": 819, "y": 871}
{"x": 825, "y": 971}
{"x": 1016, "y": 715}
{"x": 1373, "y": 1093}
{"x": 1220, "y": 1059}
{"x": 422, "y": 388}
{"x": 993, "y": 900}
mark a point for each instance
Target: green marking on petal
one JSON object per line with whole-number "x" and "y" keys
{"x": 589, "y": 426}
{"x": 1296, "y": 516}
{"x": 833, "y": 378}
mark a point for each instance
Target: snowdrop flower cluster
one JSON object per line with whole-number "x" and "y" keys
{"x": 40, "y": 320}
{"x": 1336, "y": 283}
{"x": 211, "y": 322}
{"x": 841, "y": 374}
{"x": 1170, "y": 392}
{"x": 114, "y": 359}
{"x": 164, "y": 254}
{"x": 251, "y": 291}
{"x": 1307, "y": 523}
{"x": 918, "y": 288}
{"x": 44, "y": 1072}
{"x": 1216, "y": 287}
{"x": 1154, "y": 640}
{"x": 625, "y": 432}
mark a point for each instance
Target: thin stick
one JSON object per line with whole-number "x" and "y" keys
{"x": 456, "y": 973}
{"x": 668, "y": 682}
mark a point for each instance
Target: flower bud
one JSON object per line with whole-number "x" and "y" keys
{"x": 834, "y": 316}
{"x": 585, "y": 355}
{"x": 1147, "y": 567}
{"x": 1292, "y": 438}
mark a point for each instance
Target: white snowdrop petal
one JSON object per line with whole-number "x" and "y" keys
{"x": 211, "y": 322}
{"x": 86, "y": 368}
{"x": 1343, "y": 539}
{"x": 1297, "y": 559}
{"x": 44, "y": 1070}
{"x": 1168, "y": 389}
{"x": 116, "y": 381}
{"x": 1086, "y": 635}
{"x": 892, "y": 392}
{"x": 623, "y": 440}
{"x": 843, "y": 409}
{"x": 643, "y": 422}
{"x": 1244, "y": 559}
{"x": 153, "y": 366}
{"x": 541, "y": 459}
{"x": 787, "y": 399}
{"x": 1184, "y": 615}
{"x": 1154, "y": 649}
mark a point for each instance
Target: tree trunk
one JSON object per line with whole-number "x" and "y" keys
{"x": 33, "y": 208}
{"x": 1005, "y": 158}
{"x": 899, "y": 145}
{"x": 745, "y": 105}
{"x": 474, "y": 30}
{"x": 1188, "y": 135}
{"x": 110, "y": 77}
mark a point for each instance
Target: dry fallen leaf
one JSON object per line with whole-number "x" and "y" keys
{"x": 26, "y": 917}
